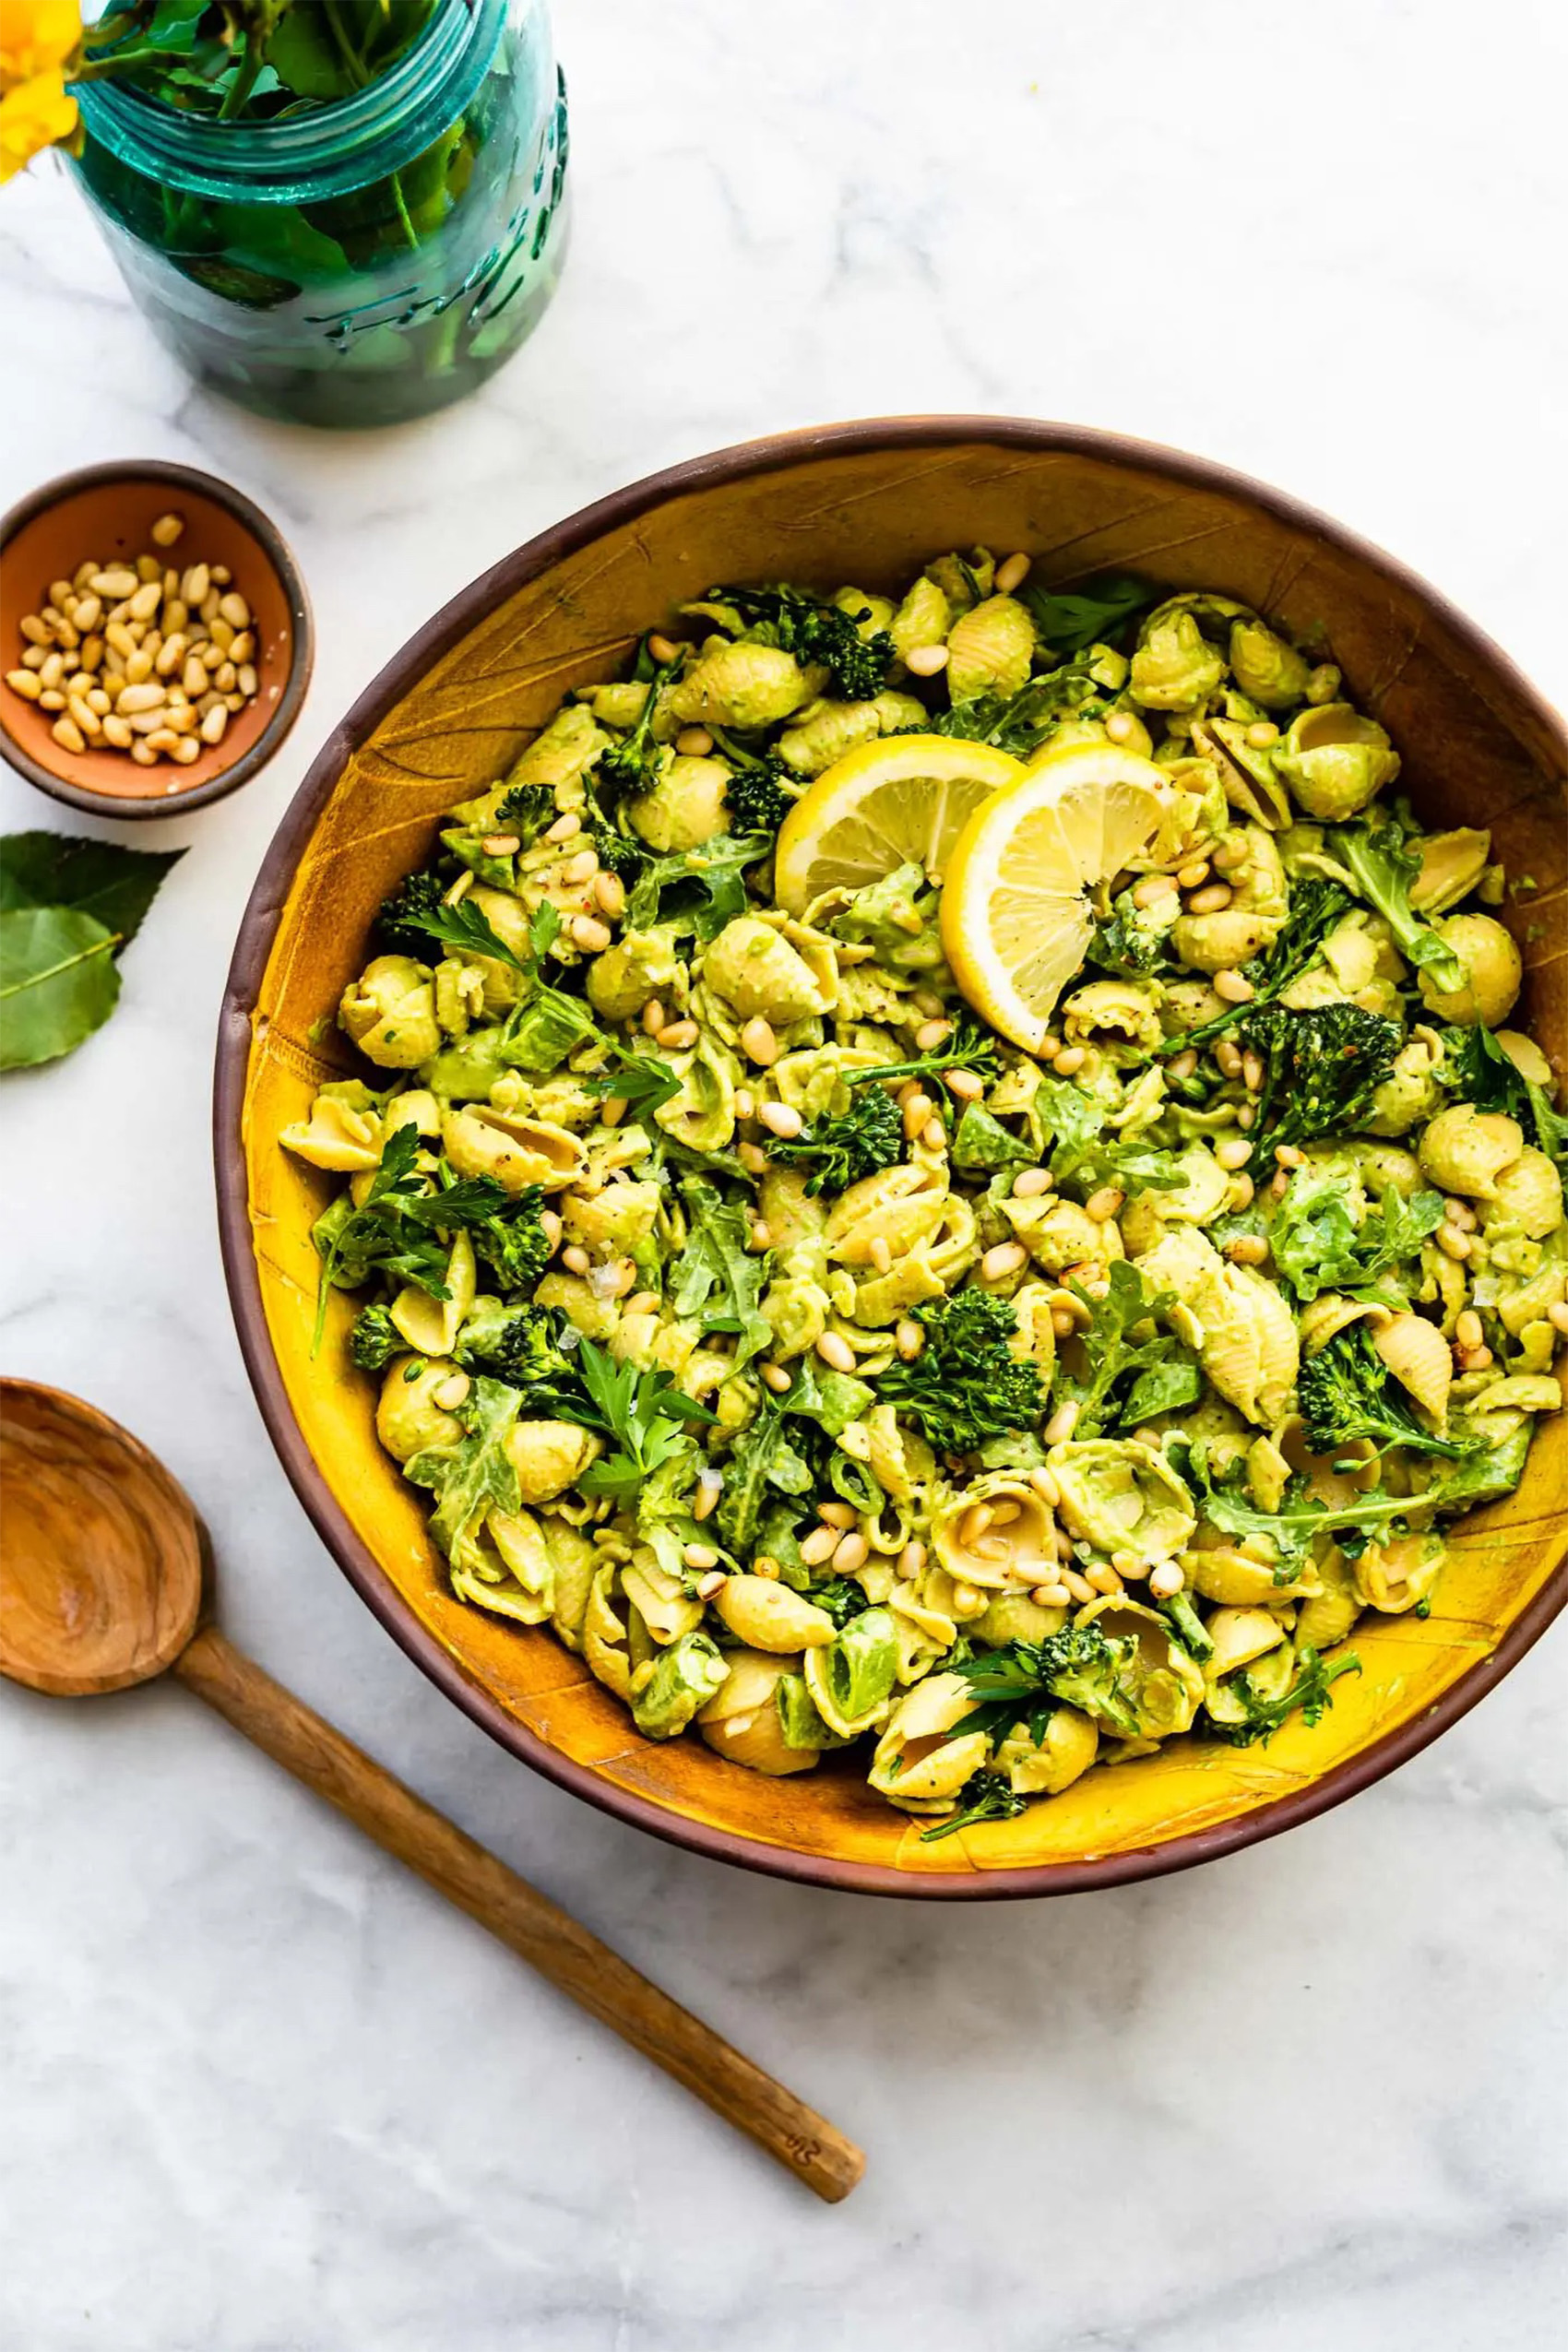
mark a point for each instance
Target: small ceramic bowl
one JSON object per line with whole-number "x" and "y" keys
{"x": 108, "y": 512}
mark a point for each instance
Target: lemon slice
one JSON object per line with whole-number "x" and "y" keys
{"x": 1016, "y": 911}
{"x": 901, "y": 802}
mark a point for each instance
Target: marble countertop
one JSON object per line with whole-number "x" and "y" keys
{"x": 259, "y": 2092}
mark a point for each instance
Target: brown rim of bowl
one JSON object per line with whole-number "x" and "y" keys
{"x": 251, "y": 952}
{"x": 273, "y": 546}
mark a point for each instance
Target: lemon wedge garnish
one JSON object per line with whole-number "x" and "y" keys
{"x": 1016, "y": 911}
{"x": 900, "y": 802}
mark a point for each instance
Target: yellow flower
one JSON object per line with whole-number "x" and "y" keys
{"x": 36, "y": 39}
{"x": 33, "y": 115}
{"x": 37, "y": 45}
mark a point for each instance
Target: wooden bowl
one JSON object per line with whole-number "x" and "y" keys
{"x": 865, "y": 502}
{"x": 108, "y": 512}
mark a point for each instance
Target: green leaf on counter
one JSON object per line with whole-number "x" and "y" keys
{"x": 58, "y": 982}
{"x": 116, "y": 886}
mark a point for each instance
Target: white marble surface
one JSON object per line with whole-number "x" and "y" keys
{"x": 258, "y": 2092}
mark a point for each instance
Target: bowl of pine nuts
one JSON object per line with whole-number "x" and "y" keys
{"x": 155, "y": 638}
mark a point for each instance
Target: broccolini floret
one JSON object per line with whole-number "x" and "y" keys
{"x": 403, "y": 916}
{"x": 854, "y": 1142}
{"x": 800, "y": 623}
{"x": 1022, "y": 1682}
{"x": 755, "y": 796}
{"x": 1316, "y": 906}
{"x": 1345, "y": 1393}
{"x": 966, "y": 1384}
{"x": 1321, "y": 1071}
{"x": 632, "y": 766}
{"x": 513, "y": 1242}
{"x": 374, "y": 1339}
{"x": 517, "y": 1344}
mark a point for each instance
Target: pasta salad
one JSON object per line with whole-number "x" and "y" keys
{"x": 949, "y": 1175}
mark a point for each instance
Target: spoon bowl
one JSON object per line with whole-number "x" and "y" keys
{"x": 103, "y": 1551}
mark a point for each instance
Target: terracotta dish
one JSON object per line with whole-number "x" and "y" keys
{"x": 869, "y": 501}
{"x": 108, "y": 512}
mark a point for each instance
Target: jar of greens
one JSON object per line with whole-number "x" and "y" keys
{"x": 341, "y": 212}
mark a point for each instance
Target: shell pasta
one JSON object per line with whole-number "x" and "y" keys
{"x": 830, "y": 1372}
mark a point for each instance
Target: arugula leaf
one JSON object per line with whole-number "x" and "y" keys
{"x": 717, "y": 1279}
{"x": 1316, "y": 905}
{"x": 1479, "y": 1072}
{"x": 473, "y": 1477}
{"x": 831, "y": 1399}
{"x": 1309, "y": 1691}
{"x": 1382, "y": 863}
{"x": 763, "y": 1462}
{"x": 1318, "y": 1246}
{"x": 1021, "y": 723}
{"x": 697, "y": 890}
{"x": 1129, "y": 1379}
{"x": 116, "y": 886}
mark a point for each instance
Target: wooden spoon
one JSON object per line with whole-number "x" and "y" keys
{"x": 102, "y": 1568}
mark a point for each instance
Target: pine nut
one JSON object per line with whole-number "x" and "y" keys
{"x": 917, "y": 1110}
{"x": 1004, "y": 1259}
{"x": 118, "y": 638}
{"x": 881, "y": 1253}
{"x": 1469, "y": 1329}
{"x": 235, "y": 609}
{"x": 966, "y": 1083}
{"x": 759, "y": 1043}
{"x": 24, "y": 683}
{"x": 654, "y": 1016}
{"x": 699, "y": 1555}
{"x": 1189, "y": 877}
{"x": 931, "y": 1034}
{"x": 973, "y": 1524}
{"x": 646, "y": 1302}
{"x": 91, "y": 655}
{"x": 1032, "y": 1183}
{"x": 194, "y": 587}
{"x": 142, "y": 756}
{"x": 1557, "y": 1315}
{"x": 1212, "y": 899}
{"x": 223, "y": 575}
{"x": 1453, "y": 1243}
{"x": 115, "y": 731}
{"x": 244, "y": 648}
{"x": 710, "y": 1586}
{"x": 87, "y": 718}
{"x": 1228, "y": 1054}
{"x": 710, "y": 1485}
{"x": 1104, "y": 1578}
{"x": 753, "y": 1158}
{"x": 1152, "y": 889}
{"x": 590, "y": 935}
{"x": 1102, "y": 1205}
{"x": 1044, "y": 1484}
{"x": 1166, "y": 1581}
{"x": 1262, "y": 733}
{"x": 1078, "y": 1588}
{"x": 1232, "y": 988}
{"x": 163, "y": 739}
{"x": 841, "y": 1516}
{"x": 933, "y": 1135}
{"x": 169, "y": 656}
{"x": 1460, "y": 1213}
{"x": 1231, "y": 854}
{"x": 783, "y": 1121}
{"x": 1473, "y": 1360}
{"x": 664, "y": 651}
{"x": 1246, "y": 1249}
{"x": 114, "y": 583}
{"x": 1062, "y": 1424}
{"x": 836, "y": 1352}
{"x": 175, "y": 614}
{"x": 746, "y": 1103}
{"x": 610, "y": 895}
{"x": 820, "y": 1546}
{"x": 693, "y": 742}
{"x": 575, "y": 1259}
{"x": 1012, "y": 575}
{"x": 1051, "y": 1595}
{"x": 912, "y": 1559}
{"x": 1246, "y": 1116}
{"x": 452, "y": 1391}
{"x": 1069, "y": 1059}
{"x": 225, "y": 677}
{"x": 147, "y": 599}
{"x": 88, "y": 614}
{"x": 53, "y": 671}
{"x": 908, "y": 1338}
{"x": 761, "y": 1235}
{"x": 69, "y": 735}
{"x": 139, "y": 696}
{"x": 149, "y": 569}
{"x": 138, "y": 669}
{"x": 50, "y": 698}
{"x": 1062, "y": 1323}
{"x": 494, "y": 845}
{"x": 1119, "y": 727}
{"x": 565, "y": 827}
{"x": 167, "y": 530}
{"x": 1252, "y": 1071}
{"x": 677, "y": 1036}
{"x": 776, "y": 1377}
{"x": 926, "y": 661}
{"x": 579, "y": 868}
{"x": 1288, "y": 1155}
{"x": 213, "y": 725}
{"x": 1182, "y": 1066}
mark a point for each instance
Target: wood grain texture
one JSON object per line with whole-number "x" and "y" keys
{"x": 870, "y": 504}
{"x": 527, "y": 1921}
{"x": 101, "y": 1570}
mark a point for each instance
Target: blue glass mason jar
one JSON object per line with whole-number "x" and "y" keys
{"x": 357, "y": 262}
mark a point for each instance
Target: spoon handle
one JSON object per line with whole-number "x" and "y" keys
{"x": 536, "y": 1929}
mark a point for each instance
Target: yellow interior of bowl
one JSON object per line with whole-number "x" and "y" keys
{"x": 1473, "y": 753}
